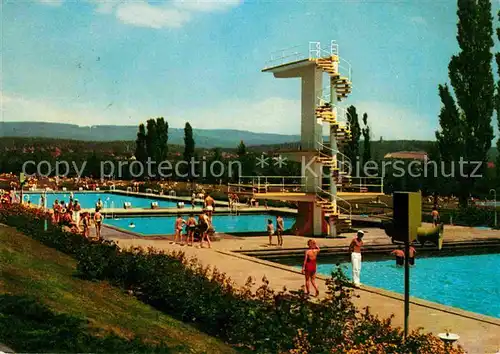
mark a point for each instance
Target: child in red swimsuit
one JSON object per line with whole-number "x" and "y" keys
{"x": 309, "y": 267}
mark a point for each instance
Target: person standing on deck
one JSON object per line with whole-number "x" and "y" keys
{"x": 204, "y": 224}
{"x": 270, "y": 231}
{"x": 279, "y": 230}
{"x": 98, "y": 223}
{"x": 435, "y": 216}
{"x": 179, "y": 223}
{"x": 191, "y": 226}
{"x": 209, "y": 206}
{"x": 310, "y": 265}
{"x": 355, "y": 250}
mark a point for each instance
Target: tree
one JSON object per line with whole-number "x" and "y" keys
{"x": 162, "y": 136}
{"x": 367, "y": 153}
{"x": 498, "y": 105}
{"x": 141, "y": 153}
{"x": 472, "y": 80}
{"x": 188, "y": 146}
{"x": 241, "y": 150}
{"x": 152, "y": 139}
{"x": 351, "y": 149}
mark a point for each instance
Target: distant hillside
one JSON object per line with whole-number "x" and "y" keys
{"x": 205, "y": 138}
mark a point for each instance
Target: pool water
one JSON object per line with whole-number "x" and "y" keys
{"x": 164, "y": 225}
{"x": 89, "y": 200}
{"x": 467, "y": 282}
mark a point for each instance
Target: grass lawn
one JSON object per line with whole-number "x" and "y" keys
{"x": 30, "y": 269}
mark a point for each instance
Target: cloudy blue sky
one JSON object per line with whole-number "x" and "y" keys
{"x": 120, "y": 62}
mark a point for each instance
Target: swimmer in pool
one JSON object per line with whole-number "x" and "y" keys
{"x": 131, "y": 225}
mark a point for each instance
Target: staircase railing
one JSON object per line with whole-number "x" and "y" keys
{"x": 266, "y": 184}
{"x": 365, "y": 184}
{"x": 290, "y": 54}
{"x": 347, "y": 211}
{"x": 342, "y": 160}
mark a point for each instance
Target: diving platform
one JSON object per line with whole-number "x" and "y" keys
{"x": 309, "y": 197}
{"x": 326, "y": 185}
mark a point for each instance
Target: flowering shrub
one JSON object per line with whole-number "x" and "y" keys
{"x": 263, "y": 321}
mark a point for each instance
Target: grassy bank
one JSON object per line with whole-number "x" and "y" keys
{"x": 45, "y": 308}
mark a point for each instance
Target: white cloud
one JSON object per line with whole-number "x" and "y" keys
{"x": 51, "y": 2}
{"x": 393, "y": 122}
{"x": 143, "y": 14}
{"x": 159, "y": 15}
{"x": 207, "y": 5}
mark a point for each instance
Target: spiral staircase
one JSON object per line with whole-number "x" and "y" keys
{"x": 328, "y": 155}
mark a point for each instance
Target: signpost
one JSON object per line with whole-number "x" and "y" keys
{"x": 45, "y": 223}
{"x": 22, "y": 180}
{"x": 407, "y": 219}
{"x": 494, "y": 192}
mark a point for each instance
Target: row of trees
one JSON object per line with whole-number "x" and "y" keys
{"x": 466, "y": 116}
{"x": 351, "y": 150}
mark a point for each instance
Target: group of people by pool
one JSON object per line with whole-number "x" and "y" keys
{"x": 69, "y": 214}
{"x": 202, "y": 228}
{"x": 309, "y": 266}
{"x": 278, "y": 231}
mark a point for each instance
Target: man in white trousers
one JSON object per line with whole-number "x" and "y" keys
{"x": 355, "y": 249}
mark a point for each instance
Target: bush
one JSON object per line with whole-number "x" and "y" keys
{"x": 264, "y": 321}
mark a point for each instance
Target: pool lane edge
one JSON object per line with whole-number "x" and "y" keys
{"x": 379, "y": 291}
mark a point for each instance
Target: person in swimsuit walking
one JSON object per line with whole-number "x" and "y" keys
{"x": 98, "y": 223}
{"x": 309, "y": 267}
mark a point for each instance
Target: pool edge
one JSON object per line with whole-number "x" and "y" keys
{"x": 379, "y": 291}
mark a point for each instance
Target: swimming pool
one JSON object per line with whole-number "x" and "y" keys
{"x": 466, "y": 282}
{"x": 164, "y": 225}
{"x": 109, "y": 200}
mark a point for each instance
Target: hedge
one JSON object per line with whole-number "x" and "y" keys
{"x": 262, "y": 321}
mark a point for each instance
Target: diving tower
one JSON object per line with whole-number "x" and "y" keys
{"x": 325, "y": 186}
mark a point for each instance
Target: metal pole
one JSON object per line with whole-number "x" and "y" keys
{"x": 494, "y": 205}
{"x": 45, "y": 223}
{"x": 407, "y": 286}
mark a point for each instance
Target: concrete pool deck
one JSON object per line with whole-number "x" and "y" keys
{"x": 479, "y": 334}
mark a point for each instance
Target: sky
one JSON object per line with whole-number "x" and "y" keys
{"x": 95, "y": 62}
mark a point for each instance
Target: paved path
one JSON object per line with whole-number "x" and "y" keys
{"x": 479, "y": 334}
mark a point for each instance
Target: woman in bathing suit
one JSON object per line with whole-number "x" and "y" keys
{"x": 98, "y": 223}
{"x": 309, "y": 267}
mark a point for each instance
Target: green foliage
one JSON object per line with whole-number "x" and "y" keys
{"x": 466, "y": 124}
{"x": 28, "y": 326}
{"x": 152, "y": 145}
{"x": 497, "y": 57}
{"x": 162, "y": 136}
{"x": 367, "y": 154}
{"x": 351, "y": 149}
{"x": 141, "y": 151}
{"x": 263, "y": 321}
{"x": 241, "y": 149}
